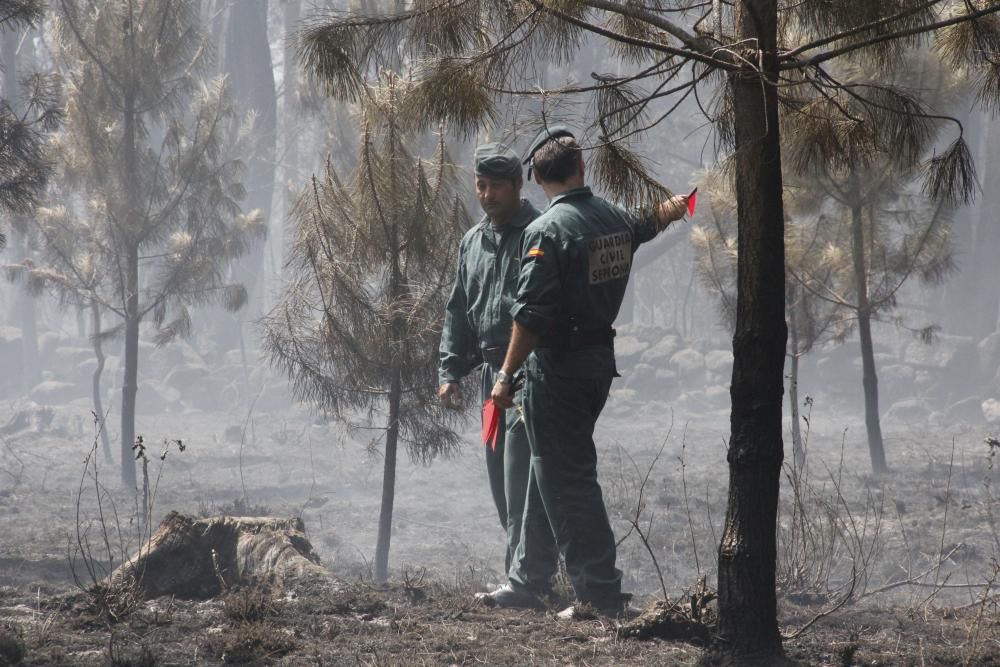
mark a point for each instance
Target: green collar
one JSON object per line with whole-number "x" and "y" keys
{"x": 524, "y": 215}
{"x": 570, "y": 194}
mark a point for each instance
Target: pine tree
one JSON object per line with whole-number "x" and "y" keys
{"x": 29, "y": 110}
{"x": 149, "y": 169}
{"x": 357, "y": 326}
{"x": 475, "y": 55}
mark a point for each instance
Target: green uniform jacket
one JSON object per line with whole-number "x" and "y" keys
{"x": 478, "y": 316}
{"x": 576, "y": 259}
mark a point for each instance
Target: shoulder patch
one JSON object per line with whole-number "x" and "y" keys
{"x": 536, "y": 252}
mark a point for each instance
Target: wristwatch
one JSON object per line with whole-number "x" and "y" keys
{"x": 504, "y": 378}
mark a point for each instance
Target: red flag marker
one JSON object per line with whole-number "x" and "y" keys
{"x": 692, "y": 201}
{"x": 491, "y": 422}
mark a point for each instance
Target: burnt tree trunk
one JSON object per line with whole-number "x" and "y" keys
{"x": 869, "y": 377}
{"x": 249, "y": 69}
{"x": 794, "y": 355}
{"x": 748, "y": 627}
{"x": 95, "y": 338}
{"x": 290, "y": 97}
{"x": 198, "y": 559}
{"x": 388, "y": 481}
{"x": 132, "y": 234}
{"x": 31, "y": 369}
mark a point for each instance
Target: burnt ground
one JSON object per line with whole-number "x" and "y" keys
{"x": 912, "y": 553}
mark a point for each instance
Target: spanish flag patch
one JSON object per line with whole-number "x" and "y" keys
{"x": 536, "y": 252}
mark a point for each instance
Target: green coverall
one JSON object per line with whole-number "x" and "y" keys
{"x": 575, "y": 265}
{"x": 476, "y": 331}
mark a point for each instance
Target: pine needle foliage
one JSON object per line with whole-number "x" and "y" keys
{"x": 148, "y": 169}
{"x": 473, "y": 56}
{"x": 370, "y": 271}
{"x": 24, "y": 167}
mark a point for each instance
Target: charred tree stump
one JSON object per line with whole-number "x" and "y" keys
{"x": 202, "y": 558}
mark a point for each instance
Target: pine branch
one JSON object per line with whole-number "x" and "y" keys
{"x": 920, "y": 30}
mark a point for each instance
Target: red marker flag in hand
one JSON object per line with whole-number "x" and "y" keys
{"x": 491, "y": 422}
{"x": 692, "y": 200}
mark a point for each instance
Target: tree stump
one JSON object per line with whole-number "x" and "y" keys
{"x": 666, "y": 620}
{"x": 202, "y": 558}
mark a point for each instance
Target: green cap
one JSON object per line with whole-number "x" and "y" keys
{"x": 548, "y": 132}
{"x": 497, "y": 160}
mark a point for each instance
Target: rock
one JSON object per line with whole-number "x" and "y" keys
{"x": 719, "y": 361}
{"x": 188, "y": 380}
{"x": 665, "y": 377}
{"x": 899, "y": 373}
{"x": 909, "y": 411}
{"x": 945, "y": 351}
{"x": 71, "y": 356}
{"x": 47, "y": 344}
{"x": 53, "y": 392}
{"x": 967, "y": 411}
{"x": 32, "y": 417}
{"x": 11, "y": 357}
{"x": 628, "y": 350}
{"x": 988, "y": 351}
{"x": 717, "y": 394}
{"x": 623, "y": 397}
{"x": 991, "y": 410}
{"x": 688, "y": 362}
{"x": 83, "y": 373}
{"x": 154, "y": 398}
{"x": 641, "y": 378}
{"x": 660, "y": 352}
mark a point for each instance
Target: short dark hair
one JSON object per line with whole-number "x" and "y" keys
{"x": 557, "y": 160}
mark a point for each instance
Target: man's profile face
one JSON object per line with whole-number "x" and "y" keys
{"x": 499, "y": 197}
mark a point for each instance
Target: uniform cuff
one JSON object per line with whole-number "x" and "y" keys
{"x": 531, "y": 319}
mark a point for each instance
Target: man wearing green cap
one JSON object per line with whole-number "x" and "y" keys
{"x": 476, "y": 331}
{"x": 575, "y": 264}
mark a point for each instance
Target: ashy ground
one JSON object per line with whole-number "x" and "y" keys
{"x": 910, "y": 557}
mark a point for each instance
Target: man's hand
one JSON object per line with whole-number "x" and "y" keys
{"x": 502, "y": 395}
{"x": 671, "y": 210}
{"x": 448, "y": 393}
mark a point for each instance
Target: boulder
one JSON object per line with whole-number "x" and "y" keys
{"x": 11, "y": 355}
{"x": 659, "y": 353}
{"x": 628, "y": 350}
{"x": 967, "y": 411}
{"x": 719, "y": 361}
{"x": 910, "y": 411}
{"x": 991, "y": 410}
{"x": 155, "y": 398}
{"x": 48, "y": 342}
{"x": 640, "y": 379}
{"x": 957, "y": 352}
{"x": 988, "y": 351}
{"x": 188, "y": 379}
{"x": 689, "y": 363}
{"x": 68, "y": 356}
{"x": 54, "y": 392}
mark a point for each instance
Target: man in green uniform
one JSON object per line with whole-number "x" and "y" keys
{"x": 576, "y": 259}
{"x": 476, "y": 332}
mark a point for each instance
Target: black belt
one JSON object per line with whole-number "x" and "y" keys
{"x": 494, "y": 356}
{"x": 575, "y": 338}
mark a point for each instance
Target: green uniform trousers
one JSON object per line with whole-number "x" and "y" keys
{"x": 508, "y": 467}
{"x": 560, "y": 414}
